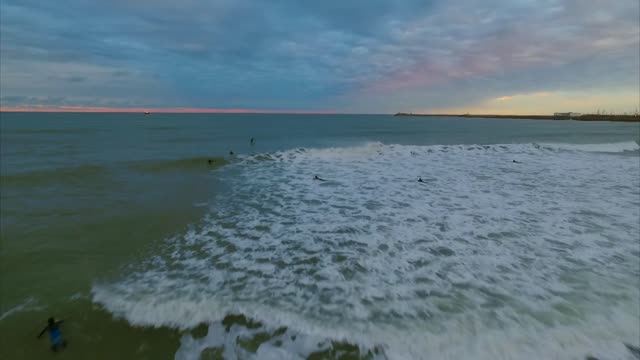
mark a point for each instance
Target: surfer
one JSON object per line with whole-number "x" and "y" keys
{"x": 635, "y": 350}
{"x": 231, "y": 153}
{"x": 55, "y": 336}
{"x": 210, "y": 162}
{"x": 517, "y": 162}
{"x": 420, "y": 180}
{"x": 251, "y": 141}
{"x": 317, "y": 178}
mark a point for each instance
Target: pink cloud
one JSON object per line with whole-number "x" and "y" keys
{"x": 495, "y": 49}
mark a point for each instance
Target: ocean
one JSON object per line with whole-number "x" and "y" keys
{"x": 522, "y": 241}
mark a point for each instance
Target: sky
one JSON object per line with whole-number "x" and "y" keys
{"x": 358, "y": 56}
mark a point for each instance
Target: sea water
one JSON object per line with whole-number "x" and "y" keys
{"x": 521, "y": 241}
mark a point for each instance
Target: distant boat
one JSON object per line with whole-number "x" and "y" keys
{"x": 147, "y": 112}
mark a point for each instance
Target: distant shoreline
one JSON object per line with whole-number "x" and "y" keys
{"x": 585, "y": 117}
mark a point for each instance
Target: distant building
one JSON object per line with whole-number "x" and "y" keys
{"x": 570, "y": 114}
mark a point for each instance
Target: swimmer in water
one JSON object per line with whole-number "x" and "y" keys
{"x": 317, "y": 178}
{"x": 210, "y": 161}
{"x": 635, "y": 350}
{"x": 420, "y": 180}
{"x": 251, "y": 141}
{"x": 231, "y": 153}
{"x": 517, "y": 162}
{"x": 55, "y": 336}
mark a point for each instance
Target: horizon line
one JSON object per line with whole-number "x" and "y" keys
{"x": 177, "y": 110}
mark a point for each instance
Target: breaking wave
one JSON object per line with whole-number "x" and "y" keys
{"x": 485, "y": 258}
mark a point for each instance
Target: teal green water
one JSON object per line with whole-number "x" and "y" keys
{"x": 118, "y": 224}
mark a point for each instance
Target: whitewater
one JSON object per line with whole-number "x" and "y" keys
{"x": 488, "y": 258}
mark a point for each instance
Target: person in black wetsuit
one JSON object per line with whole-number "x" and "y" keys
{"x": 251, "y": 141}
{"x": 420, "y": 180}
{"x": 517, "y": 162}
{"x": 55, "y": 336}
{"x": 317, "y": 178}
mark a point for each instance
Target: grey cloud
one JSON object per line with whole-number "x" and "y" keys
{"x": 292, "y": 54}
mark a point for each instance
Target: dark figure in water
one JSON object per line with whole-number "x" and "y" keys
{"x": 210, "y": 162}
{"x": 420, "y": 180}
{"x": 634, "y": 350}
{"x": 317, "y": 178}
{"x": 251, "y": 141}
{"x": 517, "y": 162}
{"x": 231, "y": 153}
{"x": 55, "y": 336}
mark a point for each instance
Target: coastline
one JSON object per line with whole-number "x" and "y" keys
{"x": 586, "y": 117}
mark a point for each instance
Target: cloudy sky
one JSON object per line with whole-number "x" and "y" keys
{"x": 372, "y": 56}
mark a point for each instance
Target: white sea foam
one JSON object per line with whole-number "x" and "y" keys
{"x": 606, "y": 147}
{"x": 28, "y": 304}
{"x": 593, "y": 337}
{"x": 486, "y": 258}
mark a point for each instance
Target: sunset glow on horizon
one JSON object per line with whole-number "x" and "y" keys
{"x": 90, "y": 109}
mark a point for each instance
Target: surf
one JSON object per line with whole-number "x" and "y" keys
{"x": 487, "y": 257}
